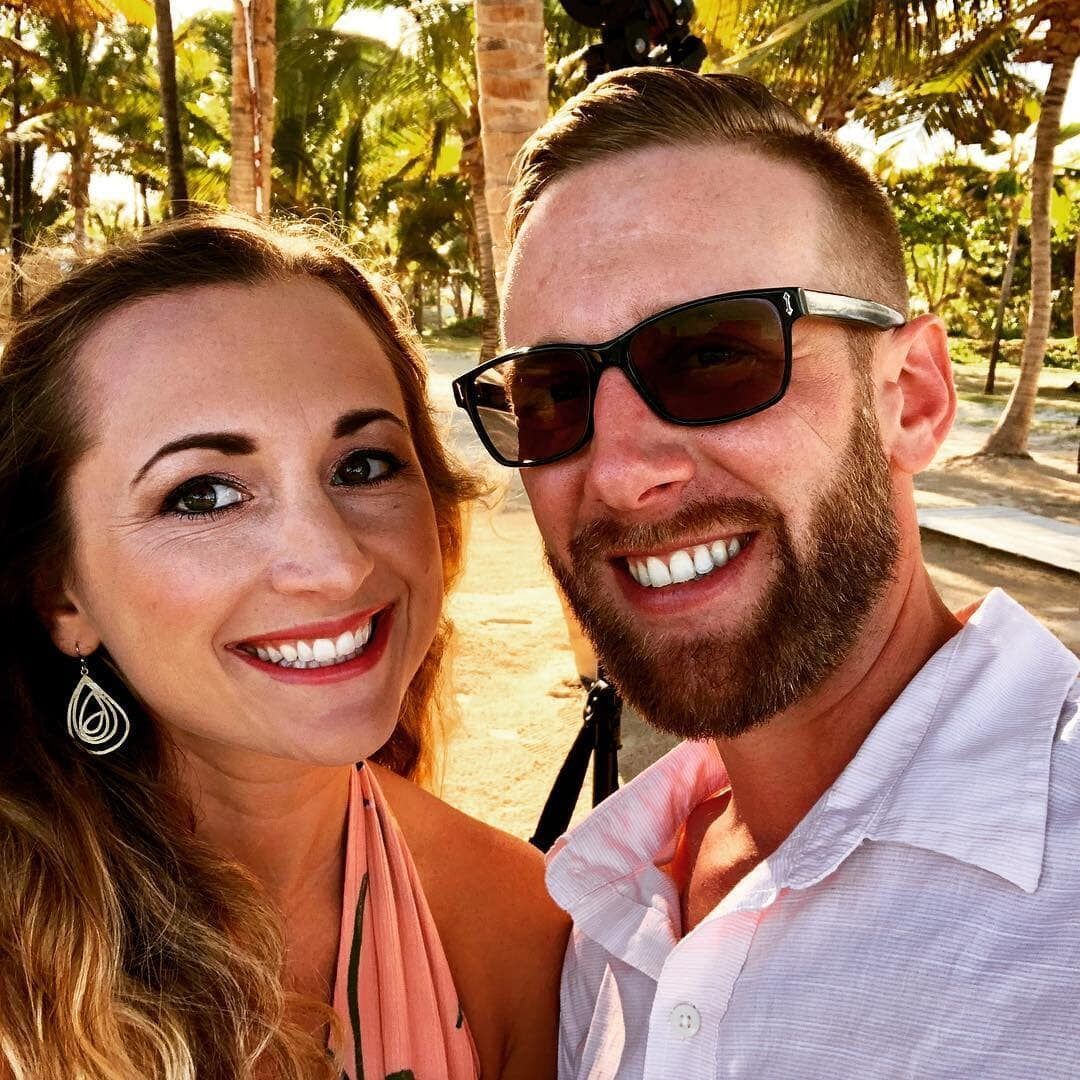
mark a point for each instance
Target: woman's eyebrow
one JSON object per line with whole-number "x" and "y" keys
{"x": 234, "y": 443}
{"x": 225, "y": 442}
{"x": 351, "y": 422}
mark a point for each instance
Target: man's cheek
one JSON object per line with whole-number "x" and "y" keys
{"x": 554, "y": 514}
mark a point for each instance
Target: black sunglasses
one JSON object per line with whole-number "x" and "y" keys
{"x": 705, "y": 362}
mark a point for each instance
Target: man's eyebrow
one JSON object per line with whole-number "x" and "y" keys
{"x": 225, "y": 442}
{"x": 351, "y": 422}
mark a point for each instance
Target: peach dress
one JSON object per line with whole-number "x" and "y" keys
{"x": 393, "y": 991}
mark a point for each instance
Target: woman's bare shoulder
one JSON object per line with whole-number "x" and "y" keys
{"x": 474, "y": 863}
{"x": 503, "y": 935}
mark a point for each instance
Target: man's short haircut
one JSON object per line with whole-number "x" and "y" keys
{"x": 639, "y": 108}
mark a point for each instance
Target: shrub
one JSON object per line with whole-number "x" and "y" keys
{"x": 1060, "y": 352}
{"x": 465, "y": 328}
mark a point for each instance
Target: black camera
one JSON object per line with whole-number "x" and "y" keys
{"x": 638, "y": 33}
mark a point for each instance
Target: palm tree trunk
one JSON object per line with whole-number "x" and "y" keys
{"x": 170, "y": 109}
{"x": 1076, "y": 296}
{"x": 80, "y": 190}
{"x": 16, "y": 207}
{"x": 1010, "y": 437}
{"x": 145, "y": 204}
{"x": 472, "y": 164}
{"x": 1003, "y": 299}
{"x": 418, "y": 300}
{"x": 253, "y": 67}
{"x": 513, "y": 86}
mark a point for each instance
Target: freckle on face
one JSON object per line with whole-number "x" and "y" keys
{"x": 170, "y": 598}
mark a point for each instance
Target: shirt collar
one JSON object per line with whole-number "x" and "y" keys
{"x": 604, "y": 872}
{"x": 958, "y": 764}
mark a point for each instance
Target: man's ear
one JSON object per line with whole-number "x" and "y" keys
{"x": 916, "y": 379}
{"x": 70, "y": 627}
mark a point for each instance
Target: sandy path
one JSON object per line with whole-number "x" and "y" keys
{"x": 517, "y": 684}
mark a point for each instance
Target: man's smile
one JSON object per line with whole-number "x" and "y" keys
{"x": 662, "y": 569}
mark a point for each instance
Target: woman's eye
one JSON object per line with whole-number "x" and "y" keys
{"x": 366, "y": 467}
{"x": 203, "y": 497}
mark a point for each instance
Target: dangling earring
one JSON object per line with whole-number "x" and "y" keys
{"x": 94, "y": 719}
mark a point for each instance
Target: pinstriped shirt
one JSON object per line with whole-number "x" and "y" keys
{"x": 923, "y": 920}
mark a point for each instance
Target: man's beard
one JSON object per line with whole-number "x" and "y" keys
{"x": 813, "y": 612}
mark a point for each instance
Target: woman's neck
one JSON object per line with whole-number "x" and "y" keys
{"x": 285, "y": 822}
{"x": 282, "y": 820}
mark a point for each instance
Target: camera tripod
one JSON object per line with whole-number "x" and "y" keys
{"x": 599, "y": 738}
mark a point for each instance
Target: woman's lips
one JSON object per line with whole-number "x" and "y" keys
{"x": 300, "y": 668}
{"x": 328, "y": 629}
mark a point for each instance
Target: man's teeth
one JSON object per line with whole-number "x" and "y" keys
{"x": 685, "y": 565}
{"x": 321, "y": 652}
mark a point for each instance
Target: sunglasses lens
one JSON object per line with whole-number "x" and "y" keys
{"x": 534, "y": 408}
{"x": 713, "y": 361}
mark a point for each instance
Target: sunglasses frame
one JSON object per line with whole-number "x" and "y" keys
{"x": 790, "y": 303}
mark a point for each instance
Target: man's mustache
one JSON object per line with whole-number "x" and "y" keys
{"x": 711, "y": 517}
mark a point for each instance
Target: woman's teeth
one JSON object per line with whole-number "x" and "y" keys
{"x": 687, "y": 564}
{"x": 322, "y": 652}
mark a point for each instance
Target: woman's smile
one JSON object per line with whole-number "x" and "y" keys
{"x": 319, "y": 654}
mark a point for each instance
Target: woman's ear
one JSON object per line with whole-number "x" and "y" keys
{"x": 70, "y": 627}
{"x": 917, "y": 377}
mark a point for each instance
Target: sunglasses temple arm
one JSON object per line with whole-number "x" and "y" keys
{"x": 833, "y": 306}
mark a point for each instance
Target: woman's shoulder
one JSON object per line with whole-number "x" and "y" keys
{"x": 503, "y": 935}
{"x": 469, "y": 865}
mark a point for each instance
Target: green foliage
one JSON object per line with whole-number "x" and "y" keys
{"x": 1060, "y": 352}
{"x": 470, "y": 327}
{"x": 954, "y": 220}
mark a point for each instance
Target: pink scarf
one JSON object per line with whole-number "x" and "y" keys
{"x": 394, "y": 992}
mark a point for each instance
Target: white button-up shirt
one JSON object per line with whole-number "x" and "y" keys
{"x": 923, "y": 920}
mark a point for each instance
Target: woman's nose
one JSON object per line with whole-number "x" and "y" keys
{"x": 317, "y": 552}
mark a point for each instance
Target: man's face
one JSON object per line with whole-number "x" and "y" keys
{"x": 795, "y": 498}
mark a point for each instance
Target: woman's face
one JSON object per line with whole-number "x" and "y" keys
{"x": 255, "y": 543}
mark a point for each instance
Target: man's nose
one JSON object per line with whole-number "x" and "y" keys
{"x": 317, "y": 553}
{"x": 636, "y": 461}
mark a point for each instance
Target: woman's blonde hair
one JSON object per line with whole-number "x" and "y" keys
{"x": 130, "y": 949}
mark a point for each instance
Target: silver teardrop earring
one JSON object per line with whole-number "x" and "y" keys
{"x": 94, "y": 719}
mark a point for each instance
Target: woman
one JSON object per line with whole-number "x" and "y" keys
{"x": 227, "y": 530}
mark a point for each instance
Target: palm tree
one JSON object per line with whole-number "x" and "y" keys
{"x": 81, "y": 76}
{"x": 330, "y": 85}
{"x": 444, "y": 77}
{"x": 21, "y": 166}
{"x": 254, "y": 62}
{"x": 81, "y": 90}
{"x": 984, "y": 36}
{"x": 513, "y": 98}
{"x": 1060, "y": 49}
{"x": 826, "y": 59}
{"x": 170, "y": 108}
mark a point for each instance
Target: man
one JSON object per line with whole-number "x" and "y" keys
{"x": 866, "y": 860}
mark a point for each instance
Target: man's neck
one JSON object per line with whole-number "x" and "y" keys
{"x": 779, "y": 770}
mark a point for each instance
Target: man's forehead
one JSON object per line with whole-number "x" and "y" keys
{"x": 614, "y": 242}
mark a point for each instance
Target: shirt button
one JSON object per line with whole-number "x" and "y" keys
{"x": 685, "y": 1021}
